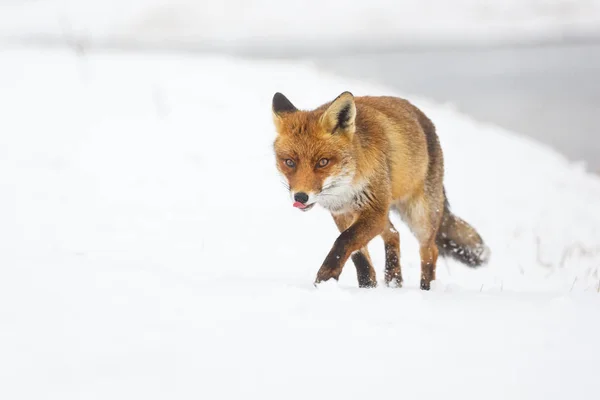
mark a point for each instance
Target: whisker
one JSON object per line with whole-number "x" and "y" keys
{"x": 285, "y": 185}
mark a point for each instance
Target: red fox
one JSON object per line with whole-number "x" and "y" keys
{"x": 360, "y": 158}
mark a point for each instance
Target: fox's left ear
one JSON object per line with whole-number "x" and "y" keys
{"x": 341, "y": 115}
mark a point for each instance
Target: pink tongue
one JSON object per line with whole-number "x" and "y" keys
{"x": 297, "y": 204}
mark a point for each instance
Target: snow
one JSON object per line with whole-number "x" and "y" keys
{"x": 148, "y": 249}
{"x": 309, "y": 24}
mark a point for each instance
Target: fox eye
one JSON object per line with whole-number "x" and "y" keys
{"x": 290, "y": 163}
{"x": 323, "y": 162}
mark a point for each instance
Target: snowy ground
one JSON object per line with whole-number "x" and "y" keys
{"x": 148, "y": 250}
{"x": 308, "y": 24}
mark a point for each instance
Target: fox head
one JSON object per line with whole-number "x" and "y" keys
{"x": 314, "y": 151}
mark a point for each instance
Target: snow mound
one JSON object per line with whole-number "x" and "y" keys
{"x": 132, "y": 263}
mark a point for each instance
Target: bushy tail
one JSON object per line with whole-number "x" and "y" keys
{"x": 459, "y": 240}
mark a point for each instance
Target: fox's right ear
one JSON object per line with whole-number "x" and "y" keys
{"x": 281, "y": 105}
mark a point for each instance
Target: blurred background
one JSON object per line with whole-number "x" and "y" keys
{"x": 531, "y": 66}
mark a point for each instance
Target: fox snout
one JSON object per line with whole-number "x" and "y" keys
{"x": 302, "y": 200}
{"x": 301, "y": 197}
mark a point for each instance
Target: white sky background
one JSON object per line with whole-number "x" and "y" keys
{"x": 234, "y": 23}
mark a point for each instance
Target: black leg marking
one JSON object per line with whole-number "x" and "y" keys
{"x": 363, "y": 271}
{"x": 393, "y": 273}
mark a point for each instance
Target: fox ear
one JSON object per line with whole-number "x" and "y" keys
{"x": 341, "y": 115}
{"x": 281, "y": 105}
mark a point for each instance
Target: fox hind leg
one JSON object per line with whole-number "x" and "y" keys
{"x": 429, "y": 255}
{"x": 391, "y": 240}
{"x": 423, "y": 213}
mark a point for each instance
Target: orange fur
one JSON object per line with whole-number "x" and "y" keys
{"x": 381, "y": 154}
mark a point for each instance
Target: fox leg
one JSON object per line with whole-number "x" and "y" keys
{"x": 368, "y": 224}
{"x": 367, "y": 278}
{"x": 391, "y": 240}
{"x": 423, "y": 213}
{"x": 429, "y": 255}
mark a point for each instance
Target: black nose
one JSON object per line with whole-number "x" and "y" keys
{"x": 301, "y": 197}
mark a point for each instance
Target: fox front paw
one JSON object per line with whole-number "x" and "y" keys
{"x": 326, "y": 274}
